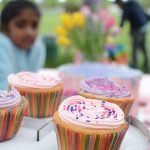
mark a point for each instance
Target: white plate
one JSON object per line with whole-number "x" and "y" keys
{"x": 135, "y": 139}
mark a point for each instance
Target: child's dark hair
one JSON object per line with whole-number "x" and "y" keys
{"x": 12, "y": 10}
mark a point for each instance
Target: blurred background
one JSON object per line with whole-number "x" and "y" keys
{"x": 51, "y": 12}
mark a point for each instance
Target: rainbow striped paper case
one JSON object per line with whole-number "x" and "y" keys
{"x": 43, "y": 102}
{"x": 11, "y": 119}
{"x": 42, "y": 91}
{"x": 72, "y": 136}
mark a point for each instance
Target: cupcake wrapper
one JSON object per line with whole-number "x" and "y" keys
{"x": 125, "y": 106}
{"x": 42, "y": 104}
{"x": 124, "y": 103}
{"x": 70, "y": 140}
{"x": 11, "y": 120}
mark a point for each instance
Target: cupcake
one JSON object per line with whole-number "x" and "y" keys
{"x": 102, "y": 88}
{"x": 89, "y": 124}
{"x": 12, "y": 108}
{"x": 120, "y": 73}
{"x": 42, "y": 91}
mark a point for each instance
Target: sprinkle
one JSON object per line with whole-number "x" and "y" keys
{"x": 88, "y": 121}
{"x": 72, "y": 109}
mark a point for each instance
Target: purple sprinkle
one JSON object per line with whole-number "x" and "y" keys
{"x": 68, "y": 107}
{"x": 88, "y": 121}
{"x": 72, "y": 109}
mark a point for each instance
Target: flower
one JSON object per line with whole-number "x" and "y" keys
{"x": 86, "y": 10}
{"x": 86, "y": 31}
{"x": 109, "y": 22}
{"x": 61, "y": 31}
{"x": 103, "y": 14}
{"x": 78, "y": 19}
{"x": 66, "y": 19}
{"x": 63, "y": 41}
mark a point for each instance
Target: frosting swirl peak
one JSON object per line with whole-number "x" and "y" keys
{"x": 91, "y": 113}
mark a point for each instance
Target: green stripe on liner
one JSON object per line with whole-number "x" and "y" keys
{"x": 38, "y": 99}
{"x": 28, "y": 96}
{"x": 117, "y": 147}
{"x": 87, "y": 142}
{"x": 18, "y": 115}
{"x": 7, "y": 122}
{"x": 52, "y": 99}
{"x": 46, "y": 100}
{"x": 114, "y": 140}
{"x": 65, "y": 139}
{"x": 125, "y": 105}
{"x": 96, "y": 142}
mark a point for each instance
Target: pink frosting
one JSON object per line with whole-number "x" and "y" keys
{"x": 91, "y": 113}
{"x": 9, "y": 99}
{"x": 32, "y": 80}
{"x": 104, "y": 87}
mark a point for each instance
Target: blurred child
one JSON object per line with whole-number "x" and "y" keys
{"x": 20, "y": 47}
{"x": 138, "y": 19}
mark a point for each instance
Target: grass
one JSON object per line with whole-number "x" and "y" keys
{"x": 49, "y": 21}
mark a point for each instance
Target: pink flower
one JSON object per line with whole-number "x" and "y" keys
{"x": 103, "y": 14}
{"x": 86, "y": 10}
{"x": 109, "y": 22}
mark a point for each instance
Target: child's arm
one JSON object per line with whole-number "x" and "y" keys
{"x": 39, "y": 55}
{"x": 6, "y": 67}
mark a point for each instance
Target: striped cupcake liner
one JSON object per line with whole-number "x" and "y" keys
{"x": 11, "y": 119}
{"x": 42, "y": 104}
{"x": 125, "y": 106}
{"x": 71, "y": 140}
{"x": 124, "y": 103}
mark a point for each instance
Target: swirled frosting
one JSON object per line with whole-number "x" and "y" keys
{"x": 9, "y": 99}
{"x": 32, "y": 80}
{"x": 104, "y": 87}
{"x": 91, "y": 113}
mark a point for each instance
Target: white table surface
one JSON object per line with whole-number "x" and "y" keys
{"x": 26, "y": 140}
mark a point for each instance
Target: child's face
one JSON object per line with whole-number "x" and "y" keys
{"x": 23, "y": 29}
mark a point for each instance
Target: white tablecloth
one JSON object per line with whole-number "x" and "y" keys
{"x": 26, "y": 140}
